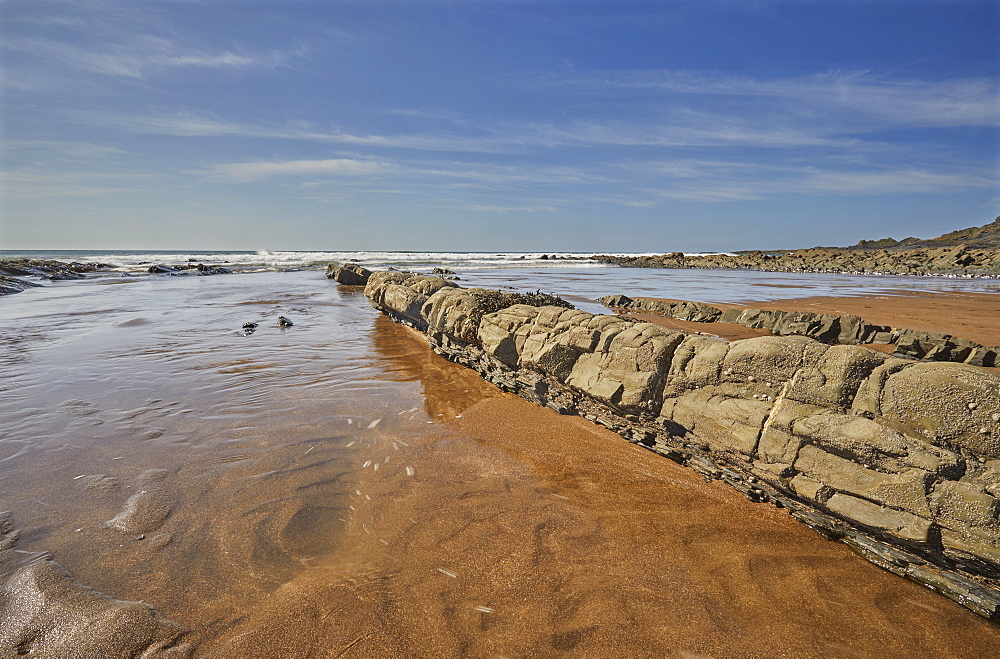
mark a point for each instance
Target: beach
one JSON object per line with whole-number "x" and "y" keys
{"x": 377, "y": 329}
{"x": 963, "y": 314}
{"x": 336, "y": 487}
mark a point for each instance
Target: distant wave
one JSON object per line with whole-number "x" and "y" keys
{"x": 138, "y": 261}
{"x": 276, "y": 260}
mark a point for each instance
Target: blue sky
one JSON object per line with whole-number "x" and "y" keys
{"x": 503, "y": 125}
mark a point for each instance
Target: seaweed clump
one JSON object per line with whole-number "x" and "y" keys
{"x": 497, "y": 300}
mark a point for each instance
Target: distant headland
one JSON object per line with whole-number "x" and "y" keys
{"x": 972, "y": 252}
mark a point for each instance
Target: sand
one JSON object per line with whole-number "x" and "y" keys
{"x": 526, "y": 533}
{"x": 972, "y": 316}
{"x": 337, "y": 489}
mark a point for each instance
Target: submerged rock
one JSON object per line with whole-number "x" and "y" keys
{"x": 163, "y": 270}
{"x": 284, "y": 322}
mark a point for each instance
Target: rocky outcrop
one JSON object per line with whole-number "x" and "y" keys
{"x": 23, "y": 267}
{"x": 10, "y": 285}
{"x": 12, "y": 269}
{"x": 984, "y": 237}
{"x": 348, "y": 274}
{"x": 45, "y": 612}
{"x": 828, "y": 328}
{"x": 959, "y": 260}
{"x": 899, "y": 459}
{"x": 201, "y": 268}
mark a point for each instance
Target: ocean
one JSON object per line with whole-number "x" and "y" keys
{"x": 568, "y": 274}
{"x": 334, "y": 485}
{"x": 267, "y": 260}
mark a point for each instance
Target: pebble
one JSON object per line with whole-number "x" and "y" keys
{"x": 973, "y": 406}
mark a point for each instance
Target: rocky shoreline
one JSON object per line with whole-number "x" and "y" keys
{"x": 958, "y": 261}
{"x": 843, "y": 329}
{"x": 13, "y": 271}
{"x": 899, "y": 459}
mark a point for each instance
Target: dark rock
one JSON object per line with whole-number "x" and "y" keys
{"x": 13, "y": 271}
{"x": 284, "y": 322}
{"x": 163, "y": 269}
{"x": 349, "y": 274}
{"x": 10, "y": 285}
{"x": 970, "y": 252}
{"x": 49, "y": 269}
{"x": 616, "y": 301}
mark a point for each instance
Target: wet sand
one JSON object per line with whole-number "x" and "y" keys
{"x": 337, "y": 489}
{"x": 526, "y": 533}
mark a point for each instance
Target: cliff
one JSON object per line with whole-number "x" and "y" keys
{"x": 898, "y": 459}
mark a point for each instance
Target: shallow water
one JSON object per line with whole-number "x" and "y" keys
{"x": 334, "y": 486}
{"x": 584, "y": 285}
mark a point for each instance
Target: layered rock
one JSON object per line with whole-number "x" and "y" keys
{"x": 960, "y": 260}
{"x": 349, "y": 274}
{"x": 900, "y": 459}
{"x": 10, "y": 285}
{"x": 828, "y": 328}
{"x": 12, "y": 269}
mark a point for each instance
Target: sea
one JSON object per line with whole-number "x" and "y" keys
{"x": 334, "y": 488}
{"x": 573, "y": 275}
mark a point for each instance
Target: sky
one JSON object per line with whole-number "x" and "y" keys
{"x": 495, "y": 125}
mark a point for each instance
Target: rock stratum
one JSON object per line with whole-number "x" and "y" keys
{"x": 984, "y": 237}
{"x": 973, "y": 252}
{"x": 960, "y": 261}
{"x": 899, "y": 459}
{"x": 828, "y": 328}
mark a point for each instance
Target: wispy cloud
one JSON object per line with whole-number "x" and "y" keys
{"x": 139, "y": 56}
{"x": 187, "y": 123}
{"x": 488, "y": 136}
{"x": 509, "y": 209}
{"x": 624, "y": 183}
{"x": 955, "y": 102}
{"x": 30, "y": 184}
{"x": 714, "y": 182}
{"x": 252, "y": 171}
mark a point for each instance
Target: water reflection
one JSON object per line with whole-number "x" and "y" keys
{"x": 337, "y": 488}
{"x": 404, "y": 355}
